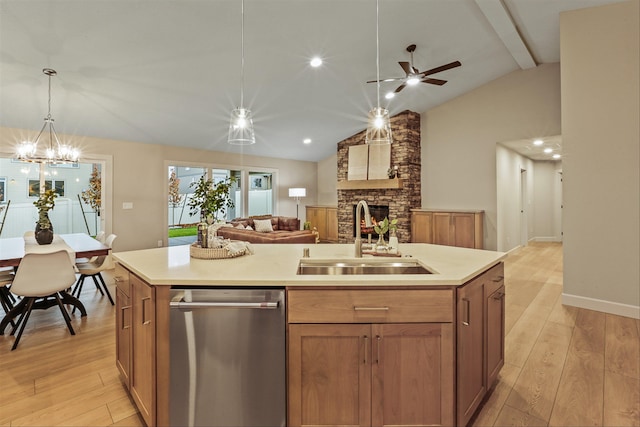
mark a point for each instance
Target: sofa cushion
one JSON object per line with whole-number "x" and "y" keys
{"x": 263, "y": 225}
{"x": 288, "y": 223}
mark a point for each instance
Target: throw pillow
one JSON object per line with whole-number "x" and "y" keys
{"x": 248, "y": 227}
{"x": 263, "y": 225}
{"x": 240, "y": 226}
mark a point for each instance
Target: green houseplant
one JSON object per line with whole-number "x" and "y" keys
{"x": 382, "y": 227}
{"x": 211, "y": 199}
{"x": 44, "y": 228}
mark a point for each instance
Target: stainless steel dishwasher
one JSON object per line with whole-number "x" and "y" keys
{"x": 227, "y": 357}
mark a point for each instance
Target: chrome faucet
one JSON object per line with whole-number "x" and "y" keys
{"x": 367, "y": 221}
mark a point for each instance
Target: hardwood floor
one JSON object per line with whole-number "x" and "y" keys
{"x": 564, "y": 366}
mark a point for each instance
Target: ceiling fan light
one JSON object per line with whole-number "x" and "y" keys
{"x": 241, "y": 128}
{"x": 413, "y": 80}
{"x": 379, "y": 127}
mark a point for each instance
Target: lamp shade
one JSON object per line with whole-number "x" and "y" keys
{"x": 297, "y": 192}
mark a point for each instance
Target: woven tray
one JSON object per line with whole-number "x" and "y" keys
{"x": 211, "y": 253}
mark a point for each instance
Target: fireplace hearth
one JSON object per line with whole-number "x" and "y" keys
{"x": 378, "y": 213}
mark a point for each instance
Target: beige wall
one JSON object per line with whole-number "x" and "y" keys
{"x": 600, "y": 49}
{"x": 459, "y": 139}
{"x": 327, "y": 178}
{"x": 139, "y": 175}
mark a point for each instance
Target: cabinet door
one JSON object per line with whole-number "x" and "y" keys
{"x": 421, "y": 227}
{"x": 412, "y": 374}
{"x": 318, "y": 218}
{"x": 332, "y": 224}
{"x": 442, "y": 230}
{"x": 143, "y": 369}
{"x": 329, "y": 375}
{"x": 464, "y": 230}
{"x": 123, "y": 335}
{"x": 494, "y": 334}
{"x": 470, "y": 351}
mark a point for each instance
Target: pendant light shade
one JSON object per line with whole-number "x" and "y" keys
{"x": 241, "y": 125}
{"x": 52, "y": 152}
{"x": 379, "y": 127}
{"x": 378, "y": 123}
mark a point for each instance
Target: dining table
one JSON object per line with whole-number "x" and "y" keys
{"x": 78, "y": 245}
{"x": 12, "y": 249}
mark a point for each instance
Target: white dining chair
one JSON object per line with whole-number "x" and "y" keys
{"x": 41, "y": 277}
{"x": 93, "y": 269}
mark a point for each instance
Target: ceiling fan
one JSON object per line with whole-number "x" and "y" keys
{"x": 414, "y": 76}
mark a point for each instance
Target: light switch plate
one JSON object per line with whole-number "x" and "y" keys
{"x": 127, "y": 205}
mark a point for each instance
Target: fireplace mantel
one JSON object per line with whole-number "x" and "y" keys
{"x": 369, "y": 184}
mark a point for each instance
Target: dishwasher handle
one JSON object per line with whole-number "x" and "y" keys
{"x": 269, "y": 305}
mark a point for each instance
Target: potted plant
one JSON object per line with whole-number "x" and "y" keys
{"x": 211, "y": 199}
{"x": 382, "y": 227}
{"x": 44, "y": 229}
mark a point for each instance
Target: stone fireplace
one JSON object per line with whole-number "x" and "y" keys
{"x": 399, "y": 195}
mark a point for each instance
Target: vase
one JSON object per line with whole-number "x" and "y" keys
{"x": 44, "y": 236}
{"x": 393, "y": 239}
{"x": 381, "y": 242}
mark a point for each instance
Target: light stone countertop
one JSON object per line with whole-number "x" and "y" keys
{"x": 276, "y": 265}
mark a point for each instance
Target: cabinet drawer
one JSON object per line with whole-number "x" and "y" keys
{"x": 121, "y": 277}
{"x": 494, "y": 279}
{"x": 369, "y": 306}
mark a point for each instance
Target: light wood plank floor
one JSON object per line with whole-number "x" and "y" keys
{"x": 564, "y": 366}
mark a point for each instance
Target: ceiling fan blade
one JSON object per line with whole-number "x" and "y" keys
{"x": 433, "y": 81}
{"x": 399, "y": 88}
{"x": 441, "y": 68}
{"x": 395, "y": 79}
{"x": 406, "y": 67}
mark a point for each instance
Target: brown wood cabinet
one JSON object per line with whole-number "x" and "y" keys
{"x": 480, "y": 339}
{"x": 355, "y": 373}
{"x": 143, "y": 350}
{"x": 450, "y": 228}
{"x": 470, "y": 344}
{"x": 142, "y": 344}
{"x": 123, "y": 322}
{"x": 325, "y": 219}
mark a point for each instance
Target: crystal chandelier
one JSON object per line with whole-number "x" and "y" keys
{"x": 379, "y": 125}
{"x": 54, "y": 151}
{"x": 241, "y": 126}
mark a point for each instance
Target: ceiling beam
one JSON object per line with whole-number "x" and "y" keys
{"x": 500, "y": 19}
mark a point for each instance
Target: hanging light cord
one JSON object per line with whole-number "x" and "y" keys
{"x": 242, "y": 59}
{"x": 378, "y": 53}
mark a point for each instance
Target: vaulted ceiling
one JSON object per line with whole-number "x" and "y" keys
{"x": 168, "y": 72}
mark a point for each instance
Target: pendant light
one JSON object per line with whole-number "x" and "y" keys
{"x": 53, "y": 152}
{"x": 241, "y": 125}
{"x": 378, "y": 123}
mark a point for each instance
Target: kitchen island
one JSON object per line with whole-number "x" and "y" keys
{"x": 418, "y": 349}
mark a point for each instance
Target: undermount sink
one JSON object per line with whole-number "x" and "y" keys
{"x": 324, "y": 267}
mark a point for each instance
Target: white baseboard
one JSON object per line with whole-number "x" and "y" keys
{"x": 545, "y": 239}
{"x": 610, "y": 307}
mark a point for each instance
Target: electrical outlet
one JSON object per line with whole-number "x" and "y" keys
{"x": 159, "y": 243}
{"x": 127, "y": 205}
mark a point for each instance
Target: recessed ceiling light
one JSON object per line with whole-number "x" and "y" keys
{"x": 538, "y": 142}
{"x": 315, "y": 61}
{"x": 548, "y": 150}
{"x": 390, "y": 95}
{"x": 556, "y": 156}
{"x": 307, "y": 140}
